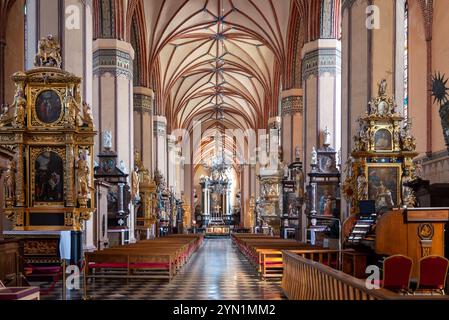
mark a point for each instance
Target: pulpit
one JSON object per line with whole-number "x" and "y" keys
{"x": 413, "y": 232}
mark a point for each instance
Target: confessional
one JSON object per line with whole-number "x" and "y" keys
{"x": 48, "y": 185}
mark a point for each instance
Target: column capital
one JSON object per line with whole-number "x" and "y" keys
{"x": 321, "y": 56}
{"x": 113, "y": 56}
{"x": 143, "y": 100}
{"x": 292, "y": 102}
{"x": 160, "y": 126}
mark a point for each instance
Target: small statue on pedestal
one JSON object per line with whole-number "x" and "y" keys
{"x": 107, "y": 140}
{"x": 9, "y": 182}
{"x": 49, "y": 53}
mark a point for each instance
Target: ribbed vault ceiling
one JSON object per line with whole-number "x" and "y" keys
{"x": 225, "y": 53}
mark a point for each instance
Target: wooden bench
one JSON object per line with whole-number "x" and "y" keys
{"x": 159, "y": 258}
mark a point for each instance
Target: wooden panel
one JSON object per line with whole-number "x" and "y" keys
{"x": 9, "y": 253}
{"x": 427, "y": 215}
{"x": 391, "y": 234}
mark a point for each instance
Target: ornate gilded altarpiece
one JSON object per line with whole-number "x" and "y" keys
{"x": 49, "y": 184}
{"x": 381, "y": 165}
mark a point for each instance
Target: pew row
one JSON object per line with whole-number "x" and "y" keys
{"x": 160, "y": 258}
{"x": 265, "y": 252}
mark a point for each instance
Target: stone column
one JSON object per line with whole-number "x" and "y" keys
{"x": 292, "y": 123}
{"x": 171, "y": 160}
{"x": 321, "y": 85}
{"x": 160, "y": 143}
{"x": 143, "y": 124}
{"x": 113, "y": 102}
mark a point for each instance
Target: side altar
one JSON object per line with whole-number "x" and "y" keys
{"x": 48, "y": 184}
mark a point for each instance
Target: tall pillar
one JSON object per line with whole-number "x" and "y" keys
{"x": 292, "y": 123}
{"x": 171, "y": 160}
{"x": 160, "y": 143}
{"x": 113, "y": 102}
{"x": 143, "y": 124}
{"x": 321, "y": 84}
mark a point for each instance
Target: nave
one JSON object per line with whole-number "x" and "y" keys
{"x": 217, "y": 271}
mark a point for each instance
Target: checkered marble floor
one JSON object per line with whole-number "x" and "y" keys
{"x": 217, "y": 271}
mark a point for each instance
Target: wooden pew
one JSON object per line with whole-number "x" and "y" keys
{"x": 159, "y": 258}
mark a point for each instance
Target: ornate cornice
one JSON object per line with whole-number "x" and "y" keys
{"x": 291, "y": 105}
{"x": 319, "y": 61}
{"x": 113, "y": 61}
{"x": 143, "y": 103}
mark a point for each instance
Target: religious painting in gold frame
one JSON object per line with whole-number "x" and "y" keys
{"x": 383, "y": 140}
{"x": 384, "y": 184}
{"x": 47, "y": 176}
{"x": 47, "y": 106}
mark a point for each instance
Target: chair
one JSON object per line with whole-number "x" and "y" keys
{"x": 397, "y": 271}
{"x": 432, "y": 273}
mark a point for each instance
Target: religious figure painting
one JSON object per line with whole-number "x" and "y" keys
{"x": 48, "y": 106}
{"x": 326, "y": 199}
{"x": 383, "y": 186}
{"x": 49, "y": 182}
{"x": 383, "y": 140}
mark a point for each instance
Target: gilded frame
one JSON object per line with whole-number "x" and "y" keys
{"x": 35, "y": 152}
{"x": 378, "y": 128}
{"x": 34, "y": 92}
{"x": 397, "y": 180}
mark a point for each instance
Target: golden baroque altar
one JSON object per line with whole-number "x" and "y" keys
{"x": 49, "y": 183}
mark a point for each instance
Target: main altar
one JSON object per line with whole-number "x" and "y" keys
{"x": 48, "y": 185}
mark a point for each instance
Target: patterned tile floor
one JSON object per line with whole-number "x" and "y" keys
{"x": 216, "y": 272}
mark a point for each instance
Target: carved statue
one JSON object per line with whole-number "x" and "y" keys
{"x": 48, "y": 53}
{"x": 327, "y": 137}
{"x": 20, "y": 106}
{"x": 252, "y": 211}
{"x": 87, "y": 115}
{"x": 9, "y": 181}
{"x": 382, "y": 87}
{"x": 107, "y": 140}
{"x": 135, "y": 181}
{"x": 362, "y": 187}
{"x": 138, "y": 160}
{"x": 408, "y": 141}
{"x": 314, "y": 156}
{"x": 408, "y": 196}
{"x": 4, "y": 113}
{"x": 83, "y": 177}
{"x": 74, "y": 108}
{"x": 297, "y": 153}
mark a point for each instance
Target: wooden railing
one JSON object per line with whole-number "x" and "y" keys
{"x": 271, "y": 261}
{"x": 304, "y": 279}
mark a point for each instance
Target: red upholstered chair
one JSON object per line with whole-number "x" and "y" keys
{"x": 432, "y": 273}
{"x": 397, "y": 271}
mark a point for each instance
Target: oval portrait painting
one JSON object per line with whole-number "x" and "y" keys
{"x": 48, "y": 106}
